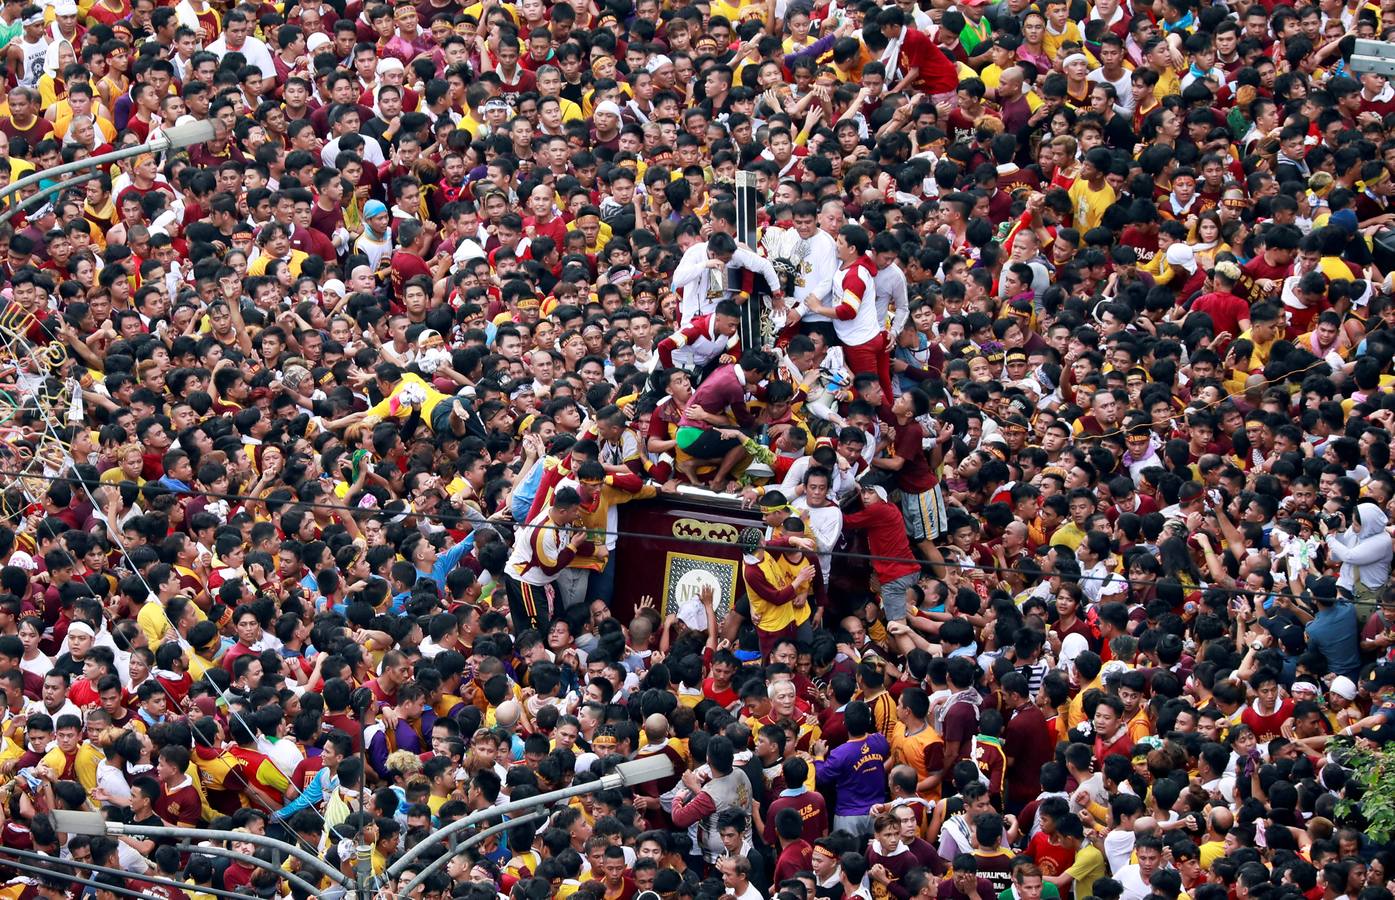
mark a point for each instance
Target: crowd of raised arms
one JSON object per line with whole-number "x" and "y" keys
{"x": 1047, "y": 347}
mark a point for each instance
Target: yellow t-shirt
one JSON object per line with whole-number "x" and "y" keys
{"x": 258, "y": 266}
{"x": 63, "y": 117}
{"x": 1088, "y": 866}
{"x": 1068, "y": 535}
{"x": 1051, "y": 43}
{"x": 1089, "y": 206}
{"x": 571, "y": 111}
{"x": 1259, "y": 357}
{"x": 383, "y": 410}
{"x": 84, "y": 765}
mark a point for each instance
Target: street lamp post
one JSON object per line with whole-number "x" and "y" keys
{"x": 94, "y": 823}
{"x": 173, "y": 138}
{"x": 32, "y": 200}
{"x": 121, "y": 873}
{"x": 75, "y": 879}
{"x": 291, "y": 878}
{"x": 627, "y": 774}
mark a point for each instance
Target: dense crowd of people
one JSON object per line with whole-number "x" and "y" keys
{"x": 1054, "y": 363}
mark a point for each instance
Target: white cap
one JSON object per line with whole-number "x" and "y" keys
{"x": 1179, "y": 254}
{"x": 65, "y": 8}
{"x": 317, "y": 40}
{"x": 390, "y": 64}
{"x": 1072, "y": 645}
{"x": 608, "y": 106}
{"x": 333, "y": 286}
{"x": 162, "y": 223}
{"x": 657, "y": 62}
{"x": 1342, "y": 686}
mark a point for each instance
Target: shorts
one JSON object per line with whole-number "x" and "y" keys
{"x": 894, "y": 596}
{"x": 704, "y": 443}
{"x": 924, "y": 514}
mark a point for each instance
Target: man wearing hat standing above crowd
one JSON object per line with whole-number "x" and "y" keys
{"x": 1334, "y": 631}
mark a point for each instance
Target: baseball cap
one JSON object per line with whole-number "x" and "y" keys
{"x": 1322, "y": 588}
{"x": 1286, "y": 632}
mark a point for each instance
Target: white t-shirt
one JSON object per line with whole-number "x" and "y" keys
{"x": 1135, "y": 888}
{"x": 1118, "y": 848}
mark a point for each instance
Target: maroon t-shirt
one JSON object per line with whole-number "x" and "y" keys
{"x": 812, "y": 809}
{"x": 961, "y": 724}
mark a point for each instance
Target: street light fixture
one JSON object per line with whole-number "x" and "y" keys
{"x": 626, "y": 774}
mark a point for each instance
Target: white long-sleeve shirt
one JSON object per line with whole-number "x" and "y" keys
{"x": 693, "y": 279}
{"x": 891, "y": 297}
{"x": 818, "y": 264}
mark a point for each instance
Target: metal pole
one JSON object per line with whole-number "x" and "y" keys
{"x": 172, "y": 139}
{"x": 752, "y": 310}
{"x": 363, "y": 871}
{"x": 467, "y": 844}
{"x": 294, "y": 879}
{"x": 261, "y": 840}
{"x": 166, "y": 882}
{"x": 639, "y": 771}
{"x": 49, "y": 191}
{"x": 39, "y": 870}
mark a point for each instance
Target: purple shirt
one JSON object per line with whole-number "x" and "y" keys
{"x": 720, "y": 392}
{"x": 857, "y": 769}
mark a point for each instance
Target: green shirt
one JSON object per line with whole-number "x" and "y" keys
{"x": 10, "y": 32}
{"x": 971, "y": 37}
{"x": 1049, "y": 891}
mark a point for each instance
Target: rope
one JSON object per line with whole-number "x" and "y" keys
{"x": 841, "y": 554}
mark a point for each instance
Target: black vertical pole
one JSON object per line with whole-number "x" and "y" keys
{"x": 752, "y": 311}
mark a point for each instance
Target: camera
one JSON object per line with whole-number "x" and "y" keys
{"x": 1334, "y": 521}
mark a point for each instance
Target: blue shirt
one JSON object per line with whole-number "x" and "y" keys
{"x": 521, "y": 500}
{"x": 321, "y": 785}
{"x": 1335, "y": 633}
{"x": 447, "y": 561}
